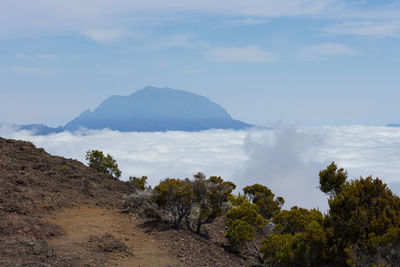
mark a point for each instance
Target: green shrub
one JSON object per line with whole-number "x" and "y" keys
{"x": 364, "y": 212}
{"x": 176, "y": 197}
{"x": 211, "y": 196}
{"x": 296, "y": 220}
{"x": 242, "y": 222}
{"x": 299, "y": 238}
{"x": 361, "y": 228}
{"x": 331, "y": 179}
{"x": 263, "y": 197}
{"x": 238, "y": 200}
{"x": 139, "y": 183}
{"x": 101, "y": 163}
{"x": 199, "y": 201}
{"x": 240, "y": 232}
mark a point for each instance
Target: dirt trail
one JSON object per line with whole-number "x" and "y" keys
{"x": 81, "y": 224}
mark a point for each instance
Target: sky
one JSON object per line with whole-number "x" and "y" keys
{"x": 297, "y": 62}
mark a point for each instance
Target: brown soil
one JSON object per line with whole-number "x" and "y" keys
{"x": 83, "y": 242}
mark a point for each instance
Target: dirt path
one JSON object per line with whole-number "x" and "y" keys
{"x": 83, "y": 223}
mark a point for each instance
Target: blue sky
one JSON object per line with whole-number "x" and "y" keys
{"x": 297, "y": 62}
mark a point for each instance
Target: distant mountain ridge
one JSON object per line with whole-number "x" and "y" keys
{"x": 148, "y": 110}
{"x": 393, "y": 125}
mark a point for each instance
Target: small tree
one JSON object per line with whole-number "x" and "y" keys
{"x": 101, "y": 163}
{"x": 364, "y": 210}
{"x": 175, "y": 196}
{"x": 300, "y": 249}
{"x": 238, "y": 200}
{"x": 210, "y": 196}
{"x": 242, "y": 222}
{"x": 139, "y": 183}
{"x": 296, "y": 220}
{"x": 331, "y": 179}
{"x": 263, "y": 197}
{"x": 299, "y": 238}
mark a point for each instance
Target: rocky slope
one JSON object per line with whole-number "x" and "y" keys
{"x": 58, "y": 212}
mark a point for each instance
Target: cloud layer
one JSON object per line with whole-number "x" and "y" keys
{"x": 286, "y": 160}
{"x": 26, "y": 17}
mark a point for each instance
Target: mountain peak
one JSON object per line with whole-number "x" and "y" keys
{"x": 153, "y": 109}
{"x": 157, "y": 109}
{"x": 165, "y": 91}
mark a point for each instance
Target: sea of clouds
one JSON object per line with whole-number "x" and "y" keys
{"x": 287, "y": 160}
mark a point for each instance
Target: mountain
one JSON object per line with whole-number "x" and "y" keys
{"x": 148, "y": 110}
{"x": 35, "y": 129}
{"x": 156, "y": 109}
{"x": 393, "y": 125}
{"x": 39, "y": 129}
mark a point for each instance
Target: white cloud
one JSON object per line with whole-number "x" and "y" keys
{"x": 97, "y": 9}
{"x": 106, "y": 19}
{"x": 327, "y": 49}
{"x": 366, "y": 28}
{"x": 106, "y": 35}
{"x": 286, "y": 160}
{"x": 249, "y": 53}
{"x": 27, "y": 17}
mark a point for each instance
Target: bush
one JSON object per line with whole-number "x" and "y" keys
{"x": 139, "y": 183}
{"x": 237, "y": 200}
{"x": 296, "y": 220}
{"x": 263, "y": 197}
{"x": 299, "y": 238}
{"x": 362, "y": 213}
{"x": 141, "y": 205}
{"x": 240, "y": 232}
{"x": 362, "y": 227}
{"x": 176, "y": 197}
{"x": 210, "y": 196}
{"x": 250, "y": 216}
{"x": 199, "y": 201}
{"x": 242, "y": 221}
{"x": 331, "y": 179}
{"x": 101, "y": 163}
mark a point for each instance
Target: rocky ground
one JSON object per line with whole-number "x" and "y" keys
{"x": 58, "y": 212}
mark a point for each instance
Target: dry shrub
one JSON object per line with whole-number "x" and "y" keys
{"x": 141, "y": 205}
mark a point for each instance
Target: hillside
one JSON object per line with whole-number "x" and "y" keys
{"x": 59, "y": 212}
